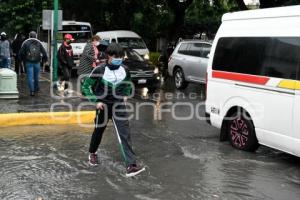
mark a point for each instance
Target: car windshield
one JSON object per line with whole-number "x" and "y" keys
{"x": 134, "y": 43}
{"x": 79, "y": 37}
{"x": 132, "y": 55}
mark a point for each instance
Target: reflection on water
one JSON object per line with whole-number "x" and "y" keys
{"x": 51, "y": 163}
{"x": 184, "y": 160}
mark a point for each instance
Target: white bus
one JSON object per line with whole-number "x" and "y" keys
{"x": 253, "y": 79}
{"x": 81, "y": 32}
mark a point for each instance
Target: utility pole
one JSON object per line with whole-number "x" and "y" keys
{"x": 54, "y": 53}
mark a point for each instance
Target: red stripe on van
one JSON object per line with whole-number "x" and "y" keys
{"x": 240, "y": 77}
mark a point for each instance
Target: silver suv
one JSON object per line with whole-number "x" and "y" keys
{"x": 188, "y": 62}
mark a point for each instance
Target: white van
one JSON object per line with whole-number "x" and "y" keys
{"x": 127, "y": 39}
{"x": 253, "y": 79}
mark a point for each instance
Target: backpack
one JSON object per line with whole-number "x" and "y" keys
{"x": 33, "y": 53}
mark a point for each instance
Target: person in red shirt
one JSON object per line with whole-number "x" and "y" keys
{"x": 66, "y": 61}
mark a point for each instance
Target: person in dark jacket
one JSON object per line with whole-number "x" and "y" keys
{"x": 112, "y": 86}
{"x": 65, "y": 61}
{"x": 16, "y": 46}
{"x": 31, "y": 53}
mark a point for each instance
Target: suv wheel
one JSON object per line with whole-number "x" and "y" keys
{"x": 180, "y": 82}
{"x": 241, "y": 132}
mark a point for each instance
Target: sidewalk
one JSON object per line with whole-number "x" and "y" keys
{"x": 44, "y": 107}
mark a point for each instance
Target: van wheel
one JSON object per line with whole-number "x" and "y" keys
{"x": 179, "y": 80}
{"x": 241, "y": 133}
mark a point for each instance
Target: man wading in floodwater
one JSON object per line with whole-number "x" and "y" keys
{"x": 108, "y": 86}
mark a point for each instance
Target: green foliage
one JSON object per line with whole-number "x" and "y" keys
{"x": 154, "y": 57}
{"x": 22, "y": 15}
{"x": 151, "y": 19}
{"x": 205, "y": 15}
{"x": 145, "y": 21}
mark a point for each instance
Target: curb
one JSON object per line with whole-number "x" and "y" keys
{"x": 46, "y": 118}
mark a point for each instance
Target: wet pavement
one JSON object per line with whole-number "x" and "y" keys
{"x": 184, "y": 160}
{"x": 43, "y": 100}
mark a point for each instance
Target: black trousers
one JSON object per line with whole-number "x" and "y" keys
{"x": 119, "y": 114}
{"x": 65, "y": 74}
{"x": 18, "y": 66}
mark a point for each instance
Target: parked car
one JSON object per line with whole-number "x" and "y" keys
{"x": 253, "y": 79}
{"x": 143, "y": 73}
{"x": 188, "y": 62}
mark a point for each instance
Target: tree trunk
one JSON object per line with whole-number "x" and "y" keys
{"x": 179, "y": 11}
{"x": 241, "y": 4}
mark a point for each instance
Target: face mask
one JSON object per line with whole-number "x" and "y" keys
{"x": 117, "y": 61}
{"x": 3, "y": 38}
{"x": 97, "y": 43}
{"x": 68, "y": 42}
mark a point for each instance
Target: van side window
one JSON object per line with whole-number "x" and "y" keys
{"x": 241, "y": 55}
{"x": 282, "y": 59}
{"x": 265, "y": 56}
{"x": 183, "y": 49}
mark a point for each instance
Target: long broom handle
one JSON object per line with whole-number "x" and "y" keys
{"x": 120, "y": 141}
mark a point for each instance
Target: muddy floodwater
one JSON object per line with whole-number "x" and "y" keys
{"x": 184, "y": 160}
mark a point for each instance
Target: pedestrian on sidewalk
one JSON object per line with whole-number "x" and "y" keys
{"x": 65, "y": 61}
{"x": 90, "y": 56}
{"x": 111, "y": 86}
{"x": 32, "y": 53}
{"x": 16, "y": 46}
{"x": 5, "y": 51}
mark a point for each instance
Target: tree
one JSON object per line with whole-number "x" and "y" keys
{"x": 204, "y": 16}
{"x": 150, "y": 18}
{"x": 23, "y": 15}
{"x": 178, "y": 8}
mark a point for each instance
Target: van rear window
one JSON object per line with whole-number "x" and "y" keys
{"x": 266, "y": 56}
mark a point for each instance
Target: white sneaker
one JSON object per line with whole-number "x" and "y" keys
{"x": 60, "y": 88}
{"x": 134, "y": 170}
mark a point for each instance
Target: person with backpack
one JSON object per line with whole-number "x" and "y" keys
{"x": 32, "y": 53}
{"x": 65, "y": 61}
{"x": 108, "y": 86}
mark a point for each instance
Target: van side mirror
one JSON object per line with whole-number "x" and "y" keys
{"x": 208, "y": 55}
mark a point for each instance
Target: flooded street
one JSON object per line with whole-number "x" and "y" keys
{"x": 184, "y": 160}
